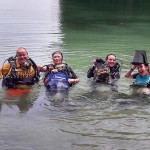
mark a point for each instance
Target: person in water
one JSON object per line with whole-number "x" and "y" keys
{"x": 104, "y": 71}
{"x": 142, "y": 76}
{"x": 58, "y": 74}
{"x": 20, "y": 71}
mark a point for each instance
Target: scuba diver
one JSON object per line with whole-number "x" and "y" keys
{"x": 58, "y": 79}
{"x": 142, "y": 77}
{"x": 105, "y": 71}
{"x": 20, "y": 72}
{"x": 59, "y": 76}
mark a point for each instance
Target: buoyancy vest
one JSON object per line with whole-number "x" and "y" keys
{"x": 57, "y": 81}
{"x": 114, "y": 71}
{"x": 19, "y": 76}
{"x": 142, "y": 80}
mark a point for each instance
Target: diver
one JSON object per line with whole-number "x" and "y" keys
{"x": 20, "y": 71}
{"x": 59, "y": 76}
{"x": 142, "y": 77}
{"x": 105, "y": 71}
{"x": 58, "y": 79}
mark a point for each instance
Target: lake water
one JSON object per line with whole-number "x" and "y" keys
{"x": 88, "y": 119}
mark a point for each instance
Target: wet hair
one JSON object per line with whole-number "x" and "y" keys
{"x": 19, "y": 49}
{"x": 146, "y": 65}
{"x": 57, "y": 52}
{"x": 109, "y": 55}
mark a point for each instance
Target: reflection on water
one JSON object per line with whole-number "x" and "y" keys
{"x": 31, "y": 24}
{"x": 57, "y": 97}
{"x": 23, "y": 99}
{"x": 86, "y": 117}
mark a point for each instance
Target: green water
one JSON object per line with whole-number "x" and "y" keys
{"x": 96, "y": 28}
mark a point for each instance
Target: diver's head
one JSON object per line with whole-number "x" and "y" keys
{"x": 111, "y": 60}
{"x": 57, "y": 57}
{"x": 143, "y": 69}
{"x": 22, "y": 55}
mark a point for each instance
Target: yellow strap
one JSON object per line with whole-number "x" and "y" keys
{"x": 1, "y": 74}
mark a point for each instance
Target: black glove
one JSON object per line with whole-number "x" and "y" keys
{"x": 99, "y": 60}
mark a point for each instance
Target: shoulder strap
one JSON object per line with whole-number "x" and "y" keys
{"x": 37, "y": 74}
{"x": 12, "y": 61}
{"x": 8, "y": 79}
{"x": 66, "y": 69}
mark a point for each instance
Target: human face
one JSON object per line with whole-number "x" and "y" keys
{"x": 111, "y": 60}
{"x": 57, "y": 59}
{"x": 22, "y": 55}
{"x": 142, "y": 69}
